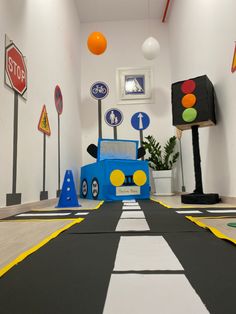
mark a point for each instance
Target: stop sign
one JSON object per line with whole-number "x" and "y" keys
{"x": 16, "y": 69}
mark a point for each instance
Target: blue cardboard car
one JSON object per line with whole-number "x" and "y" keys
{"x": 117, "y": 174}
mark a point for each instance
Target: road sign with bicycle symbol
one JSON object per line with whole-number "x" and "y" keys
{"x": 99, "y": 90}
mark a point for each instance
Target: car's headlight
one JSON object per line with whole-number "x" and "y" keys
{"x": 117, "y": 177}
{"x": 139, "y": 177}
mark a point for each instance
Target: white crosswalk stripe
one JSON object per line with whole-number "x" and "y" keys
{"x": 222, "y": 211}
{"x": 188, "y": 212}
{"x": 43, "y": 214}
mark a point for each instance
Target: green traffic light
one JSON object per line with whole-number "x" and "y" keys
{"x": 189, "y": 115}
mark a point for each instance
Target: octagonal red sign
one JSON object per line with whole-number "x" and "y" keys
{"x": 16, "y": 69}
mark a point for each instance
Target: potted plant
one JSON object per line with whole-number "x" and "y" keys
{"x": 161, "y": 161}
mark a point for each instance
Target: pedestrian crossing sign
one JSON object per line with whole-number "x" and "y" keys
{"x": 233, "y": 67}
{"x": 43, "y": 125}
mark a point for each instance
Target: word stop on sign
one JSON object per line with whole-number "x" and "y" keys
{"x": 14, "y": 68}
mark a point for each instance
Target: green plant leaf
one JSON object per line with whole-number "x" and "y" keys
{"x": 158, "y": 159}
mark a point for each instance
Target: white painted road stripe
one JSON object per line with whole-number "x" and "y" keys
{"x": 145, "y": 253}
{"x": 132, "y": 225}
{"x": 81, "y": 214}
{"x": 152, "y": 294}
{"x": 188, "y": 212}
{"x": 131, "y": 204}
{"x": 132, "y": 214}
{"x": 43, "y": 214}
{"x": 130, "y": 207}
{"x": 221, "y": 211}
{"x": 128, "y": 201}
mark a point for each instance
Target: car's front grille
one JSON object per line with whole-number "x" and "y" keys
{"x": 128, "y": 180}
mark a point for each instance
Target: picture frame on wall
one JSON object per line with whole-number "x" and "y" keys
{"x": 134, "y": 85}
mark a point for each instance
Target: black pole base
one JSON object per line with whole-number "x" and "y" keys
{"x": 58, "y": 193}
{"x": 13, "y": 199}
{"x": 194, "y": 198}
{"x": 43, "y": 195}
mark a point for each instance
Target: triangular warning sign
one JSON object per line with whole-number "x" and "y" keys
{"x": 43, "y": 125}
{"x": 233, "y": 68}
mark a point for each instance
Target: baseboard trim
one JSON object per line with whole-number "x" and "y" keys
{"x": 228, "y": 199}
{"x": 38, "y": 204}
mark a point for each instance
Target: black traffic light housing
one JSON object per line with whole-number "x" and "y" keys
{"x": 193, "y": 103}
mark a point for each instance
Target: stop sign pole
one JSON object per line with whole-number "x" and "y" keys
{"x": 16, "y": 79}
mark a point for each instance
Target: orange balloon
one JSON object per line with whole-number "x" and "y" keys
{"x": 97, "y": 43}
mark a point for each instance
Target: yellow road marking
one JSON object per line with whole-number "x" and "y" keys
{"x": 23, "y": 255}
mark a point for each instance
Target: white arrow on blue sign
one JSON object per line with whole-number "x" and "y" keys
{"x": 113, "y": 117}
{"x": 140, "y": 121}
{"x": 99, "y": 90}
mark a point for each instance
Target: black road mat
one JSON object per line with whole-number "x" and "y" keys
{"x": 209, "y": 265}
{"x": 71, "y": 273}
{"x": 68, "y": 275}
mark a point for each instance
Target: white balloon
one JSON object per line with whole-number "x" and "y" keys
{"x": 150, "y": 48}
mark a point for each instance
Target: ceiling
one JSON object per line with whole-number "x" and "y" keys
{"x": 118, "y": 10}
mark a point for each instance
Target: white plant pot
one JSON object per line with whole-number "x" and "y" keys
{"x": 163, "y": 182}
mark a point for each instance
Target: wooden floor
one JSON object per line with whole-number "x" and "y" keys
{"x": 17, "y": 237}
{"x": 174, "y": 201}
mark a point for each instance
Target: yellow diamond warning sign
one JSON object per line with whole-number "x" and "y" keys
{"x": 43, "y": 125}
{"x": 233, "y": 67}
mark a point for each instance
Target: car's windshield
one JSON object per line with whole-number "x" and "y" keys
{"x": 118, "y": 150}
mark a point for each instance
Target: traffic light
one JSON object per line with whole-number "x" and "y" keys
{"x": 193, "y": 103}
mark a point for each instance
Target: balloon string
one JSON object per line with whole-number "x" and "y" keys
{"x": 149, "y": 28}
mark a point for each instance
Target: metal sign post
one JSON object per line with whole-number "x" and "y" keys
{"x": 114, "y": 117}
{"x": 16, "y": 79}
{"x": 99, "y": 90}
{"x": 140, "y": 121}
{"x": 44, "y": 127}
{"x": 59, "y": 107}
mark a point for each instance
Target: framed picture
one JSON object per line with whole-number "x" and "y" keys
{"x": 134, "y": 85}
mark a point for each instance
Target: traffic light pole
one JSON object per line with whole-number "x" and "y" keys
{"x": 198, "y": 197}
{"x": 197, "y": 161}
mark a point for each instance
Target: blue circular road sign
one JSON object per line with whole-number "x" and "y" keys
{"x": 113, "y": 117}
{"x": 140, "y": 121}
{"x": 99, "y": 90}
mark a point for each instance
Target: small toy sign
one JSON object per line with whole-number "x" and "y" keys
{"x": 113, "y": 117}
{"x": 43, "y": 125}
{"x": 58, "y": 100}
{"x": 140, "y": 121}
{"x": 99, "y": 90}
{"x": 233, "y": 67}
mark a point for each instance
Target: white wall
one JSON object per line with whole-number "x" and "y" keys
{"x": 202, "y": 41}
{"x": 125, "y": 39}
{"x": 47, "y": 33}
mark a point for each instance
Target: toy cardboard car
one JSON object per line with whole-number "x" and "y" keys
{"x": 117, "y": 174}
